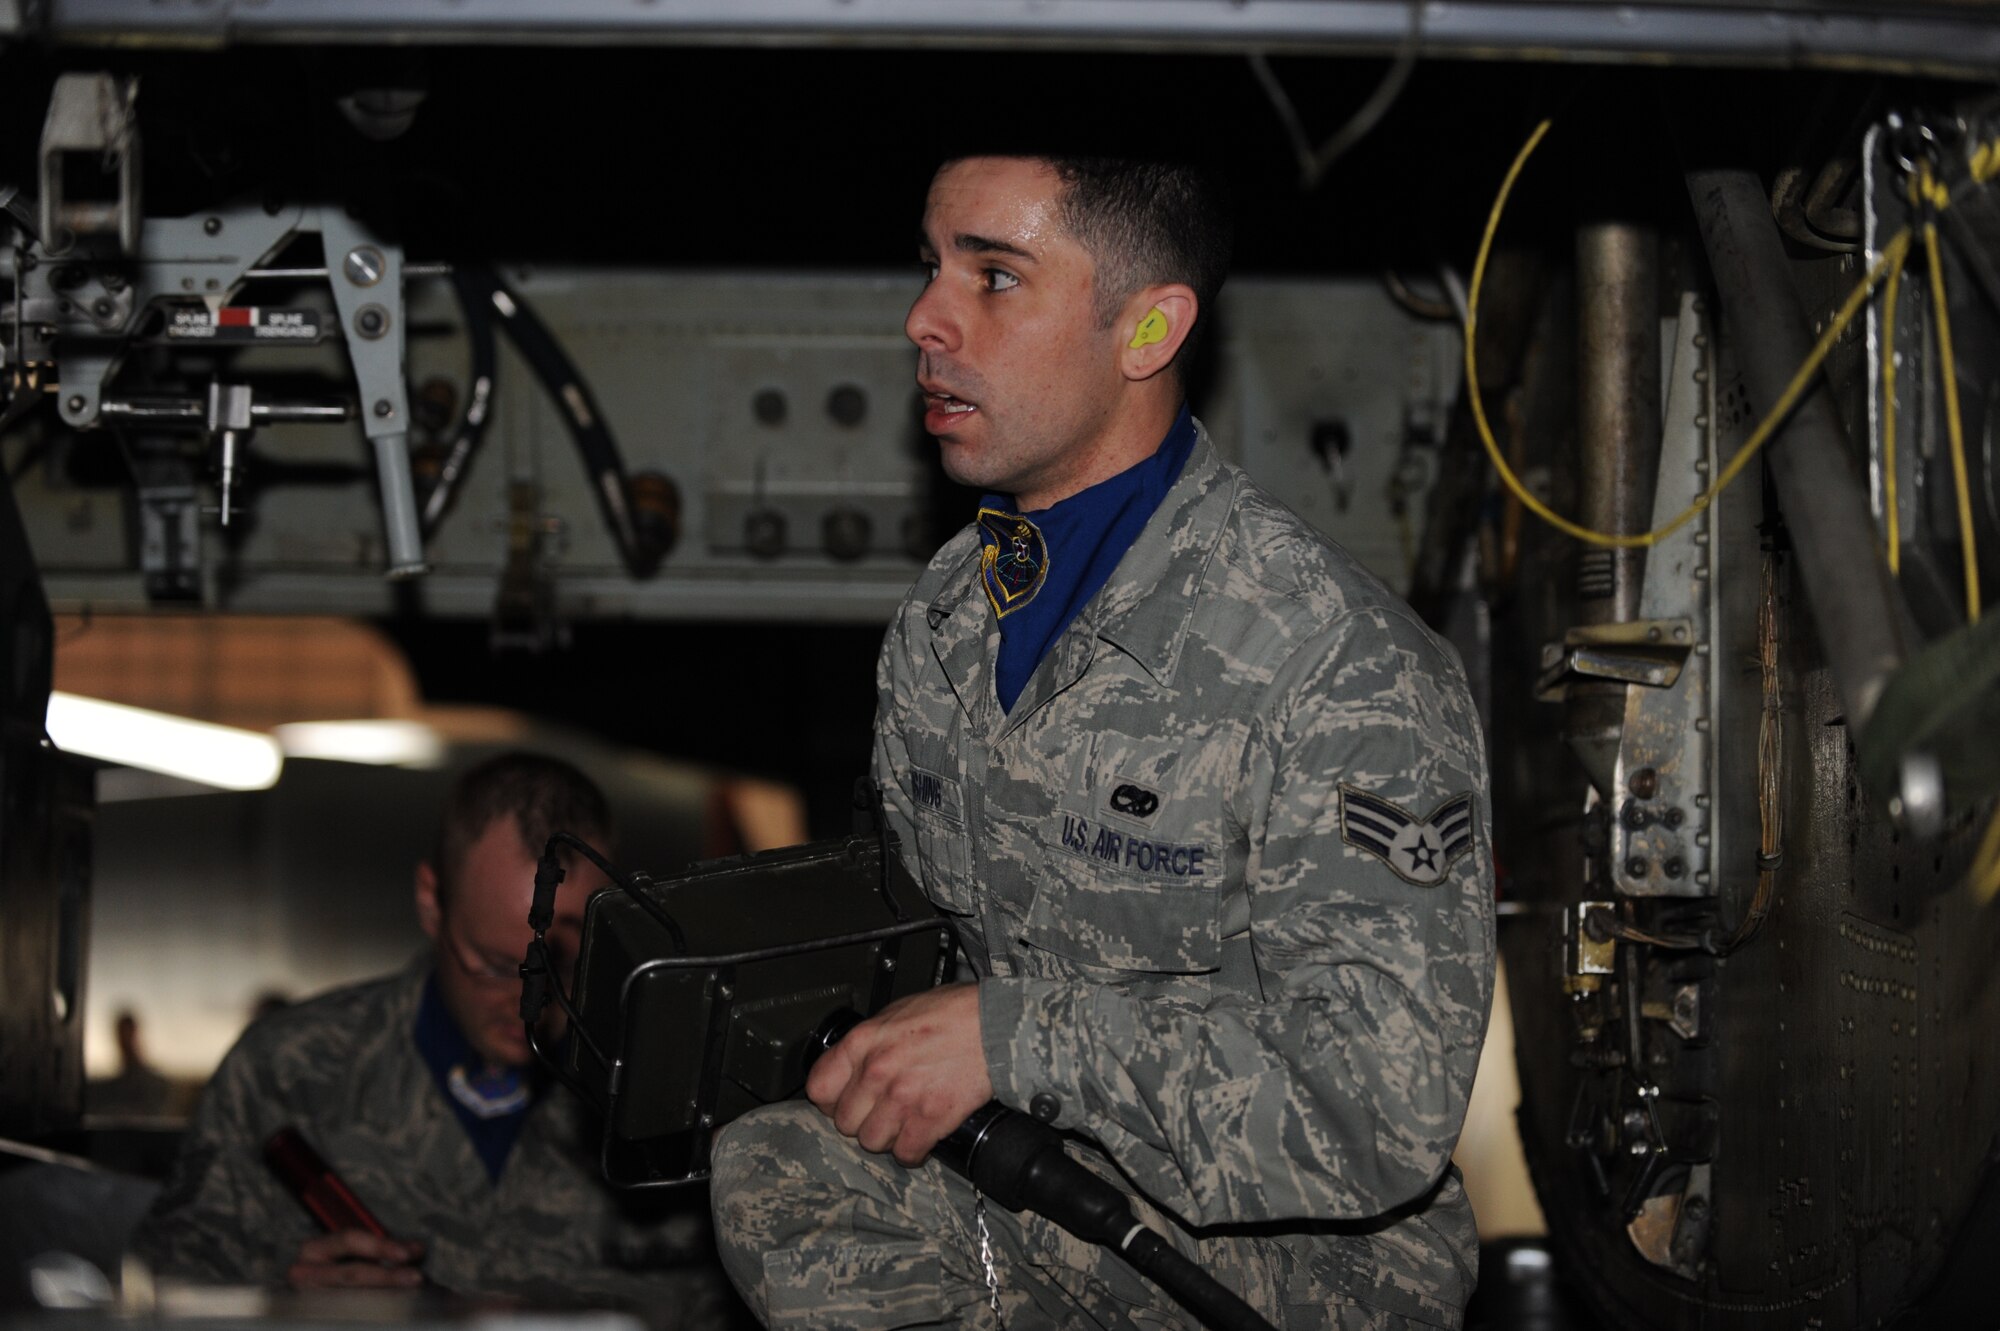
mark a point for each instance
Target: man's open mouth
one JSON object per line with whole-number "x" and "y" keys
{"x": 949, "y": 405}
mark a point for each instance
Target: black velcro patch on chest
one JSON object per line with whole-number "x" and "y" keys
{"x": 1134, "y": 801}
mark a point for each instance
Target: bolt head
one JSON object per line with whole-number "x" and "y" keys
{"x": 1635, "y": 867}
{"x": 385, "y": 408}
{"x": 212, "y": 226}
{"x": 364, "y": 265}
{"x": 1645, "y": 783}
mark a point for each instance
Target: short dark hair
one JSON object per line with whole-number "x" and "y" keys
{"x": 1143, "y": 222}
{"x": 542, "y": 795}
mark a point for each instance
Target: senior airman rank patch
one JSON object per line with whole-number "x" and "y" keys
{"x": 1420, "y": 850}
{"x": 1014, "y": 560}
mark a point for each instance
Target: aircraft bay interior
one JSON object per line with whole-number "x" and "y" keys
{"x": 1652, "y": 352}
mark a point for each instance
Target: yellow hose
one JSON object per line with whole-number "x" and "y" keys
{"x": 1985, "y": 877}
{"x": 1892, "y": 257}
{"x": 1954, "y": 426}
{"x": 1890, "y": 288}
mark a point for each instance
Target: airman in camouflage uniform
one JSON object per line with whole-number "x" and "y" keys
{"x": 1222, "y": 876}
{"x": 344, "y": 1071}
{"x": 417, "y": 1090}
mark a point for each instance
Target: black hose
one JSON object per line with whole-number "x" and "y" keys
{"x": 642, "y": 537}
{"x": 1193, "y": 1288}
{"x": 539, "y": 982}
{"x": 1020, "y": 1163}
{"x": 1863, "y": 621}
{"x": 549, "y": 875}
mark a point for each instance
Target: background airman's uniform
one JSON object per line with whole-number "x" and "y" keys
{"x": 345, "y": 1070}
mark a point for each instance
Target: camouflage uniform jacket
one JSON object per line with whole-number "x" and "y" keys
{"x": 1224, "y": 872}
{"x": 345, "y": 1070}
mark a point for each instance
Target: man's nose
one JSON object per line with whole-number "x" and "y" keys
{"x": 932, "y": 324}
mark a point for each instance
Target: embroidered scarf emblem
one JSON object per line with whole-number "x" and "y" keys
{"x": 1013, "y": 559}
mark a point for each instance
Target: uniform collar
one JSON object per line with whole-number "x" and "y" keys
{"x": 1143, "y": 611}
{"x": 1146, "y": 607}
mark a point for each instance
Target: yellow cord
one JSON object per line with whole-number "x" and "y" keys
{"x": 1893, "y": 254}
{"x": 1890, "y": 288}
{"x": 1985, "y": 161}
{"x": 1985, "y": 876}
{"x": 1954, "y": 427}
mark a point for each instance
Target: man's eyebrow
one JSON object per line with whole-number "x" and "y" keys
{"x": 970, "y": 244}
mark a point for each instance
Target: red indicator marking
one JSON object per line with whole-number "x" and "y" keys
{"x": 236, "y": 316}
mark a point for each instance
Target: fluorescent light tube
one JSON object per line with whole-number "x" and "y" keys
{"x": 214, "y": 755}
{"x": 383, "y": 743}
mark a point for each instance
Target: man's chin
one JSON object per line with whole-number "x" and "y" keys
{"x": 959, "y": 455}
{"x": 508, "y": 1053}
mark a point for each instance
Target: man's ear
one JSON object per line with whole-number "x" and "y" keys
{"x": 430, "y": 910}
{"x": 1152, "y": 327}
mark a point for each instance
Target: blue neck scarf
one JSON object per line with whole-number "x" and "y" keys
{"x": 490, "y": 1103}
{"x": 1040, "y": 569}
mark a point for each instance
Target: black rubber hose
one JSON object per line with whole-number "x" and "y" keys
{"x": 549, "y": 875}
{"x": 641, "y": 542}
{"x": 1020, "y": 1163}
{"x": 1863, "y": 622}
{"x": 1193, "y": 1288}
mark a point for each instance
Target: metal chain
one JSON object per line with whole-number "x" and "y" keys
{"x": 986, "y": 1255}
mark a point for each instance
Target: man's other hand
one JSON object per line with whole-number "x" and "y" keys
{"x": 904, "y": 1078}
{"x": 356, "y": 1259}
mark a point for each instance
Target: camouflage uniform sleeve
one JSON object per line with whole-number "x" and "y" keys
{"x": 221, "y": 1215}
{"x": 1334, "y": 1085}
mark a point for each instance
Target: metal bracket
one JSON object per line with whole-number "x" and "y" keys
{"x": 93, "y": 304}
{"x": 1648, "y": 652}
{"x": 90, "y": 118}
{"x": 1662, "y": 827}
{"x": 367, "y": 280}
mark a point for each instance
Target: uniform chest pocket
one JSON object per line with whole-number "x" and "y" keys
{"x": 943, "y": 855}
{"x": 1116, "y": 894}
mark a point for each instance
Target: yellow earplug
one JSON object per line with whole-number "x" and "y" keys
{"x": 1152, "y": 328}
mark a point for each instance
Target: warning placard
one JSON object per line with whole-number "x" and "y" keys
{"x": 243, "y": 323}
